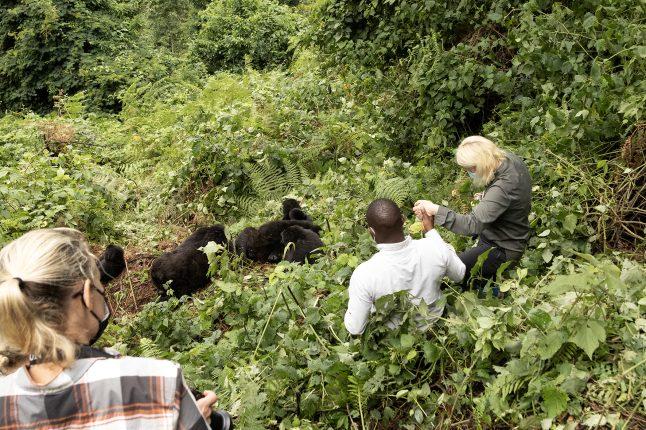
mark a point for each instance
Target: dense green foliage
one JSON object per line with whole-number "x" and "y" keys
{"x": 574, "y": 72}
{"x": 49, "y": 47}
{"x": 197, "y": 112}
{"x": 235, "y": 32}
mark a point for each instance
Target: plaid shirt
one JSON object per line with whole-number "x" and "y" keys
{"x": 102, "y": 393}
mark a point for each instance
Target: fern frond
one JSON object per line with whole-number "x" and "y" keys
{"x": 356, "y": 388}
{"x": 396, "y": 189}
{"x": 293, "y": 174}
{"x": 566, "y": 354}
{"x": 248, "y": 204}
{"x": 267, "y": 180}
{"x": 148, "y": 348}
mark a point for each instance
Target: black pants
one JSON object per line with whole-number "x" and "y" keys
{"x": 494, "y": 260}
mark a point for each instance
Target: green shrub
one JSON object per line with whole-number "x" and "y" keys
{"x": 232, "y": 30}
{"x": 44, "y": 44}
{"x": 47, "y": 179}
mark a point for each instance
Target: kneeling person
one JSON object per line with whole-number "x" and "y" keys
{"x": 402, "y": 264}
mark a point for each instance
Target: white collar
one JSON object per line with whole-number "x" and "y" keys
{"x": 394, "y": 247}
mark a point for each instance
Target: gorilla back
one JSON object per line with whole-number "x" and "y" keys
{"x": 264, "y": 244}
{"x": 187, "y": 266}
{"x": 301, "y": 243}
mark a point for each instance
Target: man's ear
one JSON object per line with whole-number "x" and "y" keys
{"x": 87, "y": 294}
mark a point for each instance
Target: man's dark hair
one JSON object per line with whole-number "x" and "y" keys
{"x": 384, "y": 216}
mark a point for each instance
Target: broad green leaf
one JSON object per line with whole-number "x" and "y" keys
{"x": 569, "y": 223}
{"x": 550, "y": 344}
{"x": 575, "y": 282}
{"x": 544, "y": 233}
{"x": 416, "y": 228}
{"x": 508, "y": 284}
{"x": 401, "y": 393}
{"x": 539, "y": 318}
{"x": 595, "y": 72}
{"x": 547, "y": 255}
{"x": 589, "y": 21}
{"x": 588, "y": 335}
{"x": 494, "y": 16}
{"x": 554, "y": 400}
{"x": 407, "y": 340}
{"x": 485, "y": 322}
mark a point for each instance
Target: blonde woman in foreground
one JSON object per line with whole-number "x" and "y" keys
{"x": 500, "y": 219}
{"x": 52, "y": 308}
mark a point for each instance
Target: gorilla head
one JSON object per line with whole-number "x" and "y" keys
{"x": 245, "y": 243}
{"x": 292, "y": 211}
{"x": 111, "y": 263}
{"x": 288, "y": 205}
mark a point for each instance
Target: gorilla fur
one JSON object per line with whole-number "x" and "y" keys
{"x": 300, "y": 242}
{"x": 264, "y": 244}
{"x": 292, "y": 211}
{"x": 187, "y": 266}
{"x": 111, "y": 263}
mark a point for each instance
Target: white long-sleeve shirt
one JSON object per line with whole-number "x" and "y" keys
{"x": 416, "y": 266}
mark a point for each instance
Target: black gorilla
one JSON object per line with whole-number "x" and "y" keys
{"x": 187, "y": 266}
{"x": 292, "y": 211}
{"x": 264, "y": 244}
{"x": 301, "y": 243}
{"x": 111, "y": 263}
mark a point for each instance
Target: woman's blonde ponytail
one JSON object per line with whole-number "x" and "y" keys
{"x": 16, "y": 317}
{"x": 39, "y": 272}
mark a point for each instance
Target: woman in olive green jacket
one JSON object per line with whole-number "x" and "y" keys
{"x": 500, "y": 219}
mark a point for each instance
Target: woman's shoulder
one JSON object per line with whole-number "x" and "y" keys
{"x": 509, "y": 172}
{"x": 134, "y": 366}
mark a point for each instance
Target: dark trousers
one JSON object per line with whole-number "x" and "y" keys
{"x": 494, "y": 260}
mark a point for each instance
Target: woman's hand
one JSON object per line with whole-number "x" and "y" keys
{"x": 205, "y": 404}
{"x": 425, "y": 207}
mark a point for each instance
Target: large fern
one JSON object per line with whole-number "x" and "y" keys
{"x": 396, "y": 189}
{"x": 269, "y": 181}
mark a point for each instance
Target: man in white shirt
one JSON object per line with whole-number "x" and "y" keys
{"x": 402, "y": 264}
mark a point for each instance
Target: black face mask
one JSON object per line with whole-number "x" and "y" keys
{"x": 103, "y": 323}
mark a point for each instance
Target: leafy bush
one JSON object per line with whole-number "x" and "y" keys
{"x": 232, "y": 30}
{"x": 51, "y": 176}
{"x": 574, "y": 71}
{"x": 45, "y": 44}
{"x": 378, "y": 33}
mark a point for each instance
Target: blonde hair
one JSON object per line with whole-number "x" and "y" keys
{"x": 481, "y": 153}
{"x": 39, "y": 272}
